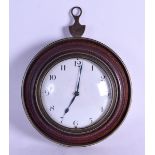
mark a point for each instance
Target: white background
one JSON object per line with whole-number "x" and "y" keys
{"x": 119, "y": 24}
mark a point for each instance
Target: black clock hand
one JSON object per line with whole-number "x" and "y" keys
{"x": 67, "y": 109}
{"x": 78, "y": 83}
{"x": 76, "y": 91}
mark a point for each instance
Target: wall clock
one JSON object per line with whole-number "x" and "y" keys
{"x": 76, "y": 91}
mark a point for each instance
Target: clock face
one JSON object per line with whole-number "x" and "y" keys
{"x": 76, "y": 93}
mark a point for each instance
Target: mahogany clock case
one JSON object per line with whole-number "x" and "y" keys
{"x": 72, "y": 48}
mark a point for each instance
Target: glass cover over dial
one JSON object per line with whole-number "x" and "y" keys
{"x": 76, "y": 93}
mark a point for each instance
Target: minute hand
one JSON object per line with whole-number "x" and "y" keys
{"x": 76, "y": 93}
{"x": 78, "y": 83}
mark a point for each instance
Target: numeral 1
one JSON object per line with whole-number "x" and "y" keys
{"x": 92, "y": 67}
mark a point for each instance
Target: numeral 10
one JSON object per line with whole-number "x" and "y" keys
{"x": 53, "y": 77}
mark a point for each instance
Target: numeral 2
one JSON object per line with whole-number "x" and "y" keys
{"x": 51, "y": 108}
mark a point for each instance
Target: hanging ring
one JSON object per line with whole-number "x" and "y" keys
{"x": 79, "y": 11}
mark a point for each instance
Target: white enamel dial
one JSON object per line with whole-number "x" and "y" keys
{"x": 76, "y": 93}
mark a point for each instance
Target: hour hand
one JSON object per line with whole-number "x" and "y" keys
{"x": 67, "y": 109}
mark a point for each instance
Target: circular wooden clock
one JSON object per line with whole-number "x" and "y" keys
{"x": 76, "y": 91}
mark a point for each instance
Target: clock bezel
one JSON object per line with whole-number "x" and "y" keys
{"x": 54, "y": 50}
{"x": 83, "y": 55}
